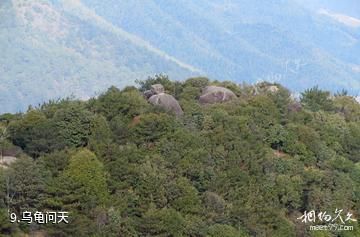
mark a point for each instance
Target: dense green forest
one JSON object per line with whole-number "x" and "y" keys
{"x": 123, "y": 167}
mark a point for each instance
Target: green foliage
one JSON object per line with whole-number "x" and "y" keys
{"x": 56, "y": 162}
{"x": 100, "y": 135}
{"x": 348, "y": 107}
{"x": 161, "y": 222}
{"x": 25, "y": 185}
{"x": 128, "y": 103}
{"x": 182, "y": 196}
{"x": 30, "y": 133}
{"x": 192, "y": 87}
{"x": 73, "y": 124}
{"x": 219, "y": 230}
{"x": 156, "y": 79}
{"x": 6, "y": 227}
{"x": 247, "y": 167}
{"x": 83, "y": 183}
{"x": 277, "y": 136}
{"x": 352, "y": 142}
{"x": 36, "y": 134}
{"x": 152, "y": 127}
{"x": 315, "y": 99}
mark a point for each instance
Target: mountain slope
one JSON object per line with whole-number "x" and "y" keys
{"x": 245, "y": 40}
{"x": 56, "y": 50}
{"x": 347, "y": 7}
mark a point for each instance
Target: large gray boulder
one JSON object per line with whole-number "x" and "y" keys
{"x": 216, "y": 94}
{"x": 157, "y": 96}
{"x": 154, "y": 90}
{"x": 168, "y": 102}
{"x": 157, "y": 88}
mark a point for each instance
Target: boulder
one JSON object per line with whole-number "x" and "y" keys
{"x": 216, "y": 94}
{"x": 7, "y": 160}
{"x": 265, "y": 87}
{"x": 148, "y": 94}
{"x": 168, "y": 102}
{"x": 157, "y": 89}
{"x": 154, "y": 90}
{"x": 273, "y": 89}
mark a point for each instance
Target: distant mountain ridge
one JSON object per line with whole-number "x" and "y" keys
{"x": 57, "y": 48}
{"x": 52, "y": 52}
{"x": 345, "y": 7}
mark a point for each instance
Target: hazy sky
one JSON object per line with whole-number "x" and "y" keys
{"x": 349, "y": 7}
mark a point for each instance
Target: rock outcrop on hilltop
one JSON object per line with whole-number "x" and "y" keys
{"x": 216, "y": 94}
{"x": 158, "y": 97}
{"x": 157, "y": 89}
{"x": 265, "y": 87}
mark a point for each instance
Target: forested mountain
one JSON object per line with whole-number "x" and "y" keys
{"x": 250, "y": 166}
{"x": 55, "y": 48}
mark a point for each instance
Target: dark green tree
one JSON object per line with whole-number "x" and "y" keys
{"x": 315, "y": 99}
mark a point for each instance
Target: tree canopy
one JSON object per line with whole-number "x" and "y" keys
{"x": 246, "y": 167}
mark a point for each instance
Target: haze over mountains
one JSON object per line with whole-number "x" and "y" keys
{"x": 55, "y": 48}
{"x": 345, "y": 7}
